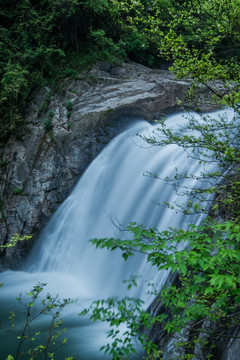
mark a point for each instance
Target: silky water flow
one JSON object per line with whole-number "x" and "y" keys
{"x": 112, "y": 191}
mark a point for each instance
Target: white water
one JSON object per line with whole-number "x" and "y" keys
{"x": 113, "y": 187}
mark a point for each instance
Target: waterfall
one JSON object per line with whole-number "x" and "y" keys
{"x": 112, "y": 190}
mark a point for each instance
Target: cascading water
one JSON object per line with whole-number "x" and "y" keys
{"x": 113, "y": 188}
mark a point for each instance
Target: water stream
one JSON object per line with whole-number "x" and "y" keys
{"x": 112, "y": 190}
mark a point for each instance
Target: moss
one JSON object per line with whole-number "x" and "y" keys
{"x": 68, "y": 105}
{"x": 104, "y": 114}
{"x": 72, "y": 91}
{"x": 48, "y": 121}
{"x": 17, "y": 191}
{"x": 4, "y": 163}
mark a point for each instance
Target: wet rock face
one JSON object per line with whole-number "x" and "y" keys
{"x": 232, "y": 349}
{"x": 65, "y": 133}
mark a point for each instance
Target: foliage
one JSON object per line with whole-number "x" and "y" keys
{"x": 207, "y": 286}
{"x": 202, "y": 42}
{"x": 34, "y": 38}
{"x": 44, "y": 41}
{"x": 208, "y": 47}
{"x": 104, "y": 43}
{"x": 14, "y": 91}
{"x": 69, "y": 108}
{"x": 30, "y": 341}
{"x": 41, "y": 42}
{"x": 17, "y": 191}
{"x": 68, "y": 105}
{"x": 48, "y": 121}
{"x": 15, "y": 239}
{"x": 125, "y": 317}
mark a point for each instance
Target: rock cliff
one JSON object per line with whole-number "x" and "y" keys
{"x": 66, "y": 129}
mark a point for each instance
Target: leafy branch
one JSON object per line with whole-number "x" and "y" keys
{"x": 31, "y": 342}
